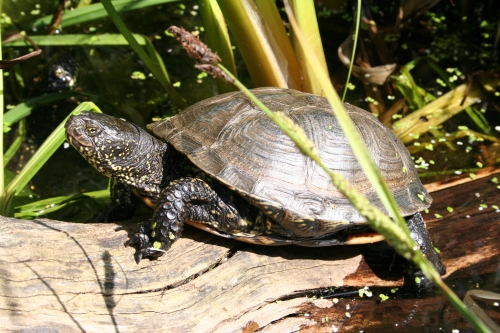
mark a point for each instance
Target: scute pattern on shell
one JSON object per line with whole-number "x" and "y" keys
{"x": 232, "y": 140}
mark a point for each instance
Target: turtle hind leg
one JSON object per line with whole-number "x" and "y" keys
{"x": 421, "y": 236}
{"x": 186, "y": 199}
{"x": 419, "y": 233}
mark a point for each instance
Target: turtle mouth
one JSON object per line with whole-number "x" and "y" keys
{"x": 75, "y": 133}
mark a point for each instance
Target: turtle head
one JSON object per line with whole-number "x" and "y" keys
{"x": 62, "y": 76}
{"x": 118, "y": 149}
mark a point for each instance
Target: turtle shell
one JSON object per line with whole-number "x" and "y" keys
{"x": 229, "y": 138}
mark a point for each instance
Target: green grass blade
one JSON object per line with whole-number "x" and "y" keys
{"x": 306, "y": 17}
{"x": 394, "y": 233}
{"x": 83, "y": 3}
{"x": 2, "y": 107}
{"x": 24, "y": 109}
{"x": 152, "y": 64}
{"x": 356, "y": 142}
{"x": 280, "y": 42}
{"x": 416, "y": 94}
{"x": 92, "y": 12}
{"x": 24, "y": 196}
{"x": 269, "y": 64}
{"x": 353, "y": 55}
{"x": 52, "y": 205}
{"x": 476, "y": 117}
{"x": 165, "y": 78}
{"x": 14, "y": 147}
{"x": 218, "y": 40}
{"x": 439, "y": 110}
{"x": 78, "y": 40}
{"x": 51, "y": 144}
{"x": 16, "y": 69}
{"x": 405, "y": 246}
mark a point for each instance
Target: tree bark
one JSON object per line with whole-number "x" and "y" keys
{"x": 71, "y": 277}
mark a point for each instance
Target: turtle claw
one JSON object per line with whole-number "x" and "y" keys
{"x": 150, "y": 252}
{"x": 140, "y": 241}
{"x": 143, "y": 246}
{"x": 138, "y": 256}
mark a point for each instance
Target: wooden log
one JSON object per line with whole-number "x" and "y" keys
{"x": 72, "y": 277}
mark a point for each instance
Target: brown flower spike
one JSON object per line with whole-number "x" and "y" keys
{"x": 194, "y": 47}
{"x": 197, "y": 50}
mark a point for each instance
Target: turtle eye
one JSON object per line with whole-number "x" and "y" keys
{"x": 91, "y": 130}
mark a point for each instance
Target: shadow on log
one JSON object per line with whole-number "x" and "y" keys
{"x": 71, "y": 277}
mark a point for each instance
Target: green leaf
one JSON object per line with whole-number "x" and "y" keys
{"x": 51, "y": 144}
{"x": 153, "y": 61}
{"x": 92, "y": 12}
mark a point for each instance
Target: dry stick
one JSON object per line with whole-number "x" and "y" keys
{"x": 6, "y": 64}
{"x": 462, "y": 179}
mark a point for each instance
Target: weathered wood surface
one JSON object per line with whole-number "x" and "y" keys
{"x": 70, "y": 277}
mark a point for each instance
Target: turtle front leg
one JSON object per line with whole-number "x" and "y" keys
{"x": 421, "y": 236}
{"x": 185, "y": 199}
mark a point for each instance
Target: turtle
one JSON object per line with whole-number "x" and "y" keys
{"x": 223, "y": 166}
{"x": 60, "y": 75}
